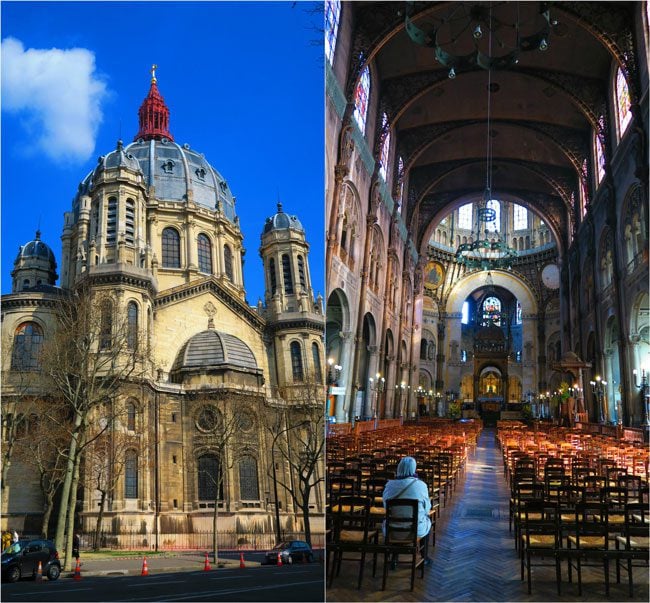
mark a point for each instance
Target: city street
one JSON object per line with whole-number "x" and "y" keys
{"x": 263, "y": 583}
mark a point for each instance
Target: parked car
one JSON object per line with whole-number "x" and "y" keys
{"x": 292, "y": 551}
{"x": 22, "y": 557}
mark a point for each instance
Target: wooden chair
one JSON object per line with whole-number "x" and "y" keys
{"x": 590, "y": 541}
{"x": 634, "y": 542}
{"x": 352, "y": 533}
{"x": 401, "y": 536}
{"x": 540, "y": 538}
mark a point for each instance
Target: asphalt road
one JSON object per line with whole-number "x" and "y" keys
{"x": 264, "y": 583}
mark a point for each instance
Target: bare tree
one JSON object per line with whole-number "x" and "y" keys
{"x": 44, "y": 448}
{"x": 218, "y": 425}
{"x": 297, "y": 427}
{"x": 91, "y": 353}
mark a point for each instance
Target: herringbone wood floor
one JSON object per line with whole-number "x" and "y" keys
{"x": 474, "y": 558}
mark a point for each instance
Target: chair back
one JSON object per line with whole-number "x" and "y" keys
{"x": 401, "y": 526}
{"x": 350, "y": 517}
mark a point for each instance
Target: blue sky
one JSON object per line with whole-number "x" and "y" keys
{"x": 243, "y": 82}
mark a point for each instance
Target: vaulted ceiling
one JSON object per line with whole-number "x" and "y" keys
{"x": 543, "y": 109}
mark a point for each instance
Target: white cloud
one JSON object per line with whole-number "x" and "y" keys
{"x": 58, "y": 94}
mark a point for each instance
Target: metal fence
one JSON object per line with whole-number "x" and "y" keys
{"x": 193, "y": 541}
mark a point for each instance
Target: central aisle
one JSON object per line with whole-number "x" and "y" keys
{"x": 474, "y": 558}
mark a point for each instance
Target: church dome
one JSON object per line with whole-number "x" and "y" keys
{"x": 36, "y": 249}
{"x": 176, "y": 173}
{"x": 282, "y": 221}
{"x": 212, "y": 349}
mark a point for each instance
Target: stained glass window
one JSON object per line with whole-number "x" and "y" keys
{"x": 130, "y": 474}
{"x": 130, "y": 416}
{"x": 171, "y": 248}
{"x": 492, "y": 310}
{"x": 600, "y": 159}
{"x": 520, "y": 217}
{"x": 622, "y": 102}
{"x": 248, "y": 484}
{"x": 518, "y": 313}
{"x": 332, "y": 16}
{"x": 385, "y": 147}
{"x": 584, "y": 188}
{"x": 132, "y": 325}
{"x": 209, "y": 474}
{"x": 296, "y": 362}
{"x": 205, "y": 254}
{"x": 227, "y": 261}
{"x": 465, "y": 313}
{"x": 361, "y": 95}
{"x": 400, "y": 171}
{"x": 465, "y": 216}
{"x": 318, "y": 372}
{"x": 106, "y": 324}
{"x": 28, "y": 340}
{"x": 496, "y": 206}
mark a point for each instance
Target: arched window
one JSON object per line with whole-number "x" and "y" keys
{"x": 623, "y": 103}
{"x": 495, "y": 225}
{"x": 600, "y": 158}
{"x": 318, "y": 371}
{"x": 209, "y": 477}
{"x": 286, "y": 274}
{"x": 106, "y": 324}
{"x": 344, "y": 232}
{"x": 361, "y": 95}
{"x": 129, "y": 231}
{"x": 518, "y": 313}
{"x": 130, "y": 416}
{"x": 28, "y": 340}
{"x": 465, "y": 216}
{"x": 332, "y": 16}
{"x": 130, "y": 474}
{"x": 205, "y": 254}
{"x": 272, "y": 278}
{"x": 171, "y": 248}
{"x": 385, "y": 148}
{"x": 248, "y": 483}
{"x": 423, "y": 349}
{"x": 520, "y": 218}
{"x": 400, "y": 175}
{"x": 296, "y": 362}
{"x": 227, "y": 261}
{"x": 492, "y": 310}
{"x": 111, "y": 221}
{"x": 132, "y": 325}
{"x": 301, "y": 273}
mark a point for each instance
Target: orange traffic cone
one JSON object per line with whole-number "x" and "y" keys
{"x": 279, "y": 560}
{"x": 39, "y": 573}
{"x": 77, "y": 571}
{"x": 242, "y": 565}
{"x": 206, "y": 567}
{"x": 145, "y": 569}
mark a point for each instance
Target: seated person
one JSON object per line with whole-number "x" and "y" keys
{"x": 407, "y": 485}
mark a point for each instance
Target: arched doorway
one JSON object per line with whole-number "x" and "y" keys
{"x": 386, "y": 398}
{"x": 338, "y": 353}
{"x": 366, "y": 396}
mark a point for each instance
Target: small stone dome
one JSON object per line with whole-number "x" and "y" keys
{"x": 119, "y": 158}
{"x": 36, "y": 249}
{"x": 211, "y": 349}
{"x": 282, "y": 221}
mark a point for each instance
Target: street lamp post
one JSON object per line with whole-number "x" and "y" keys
{"x": 598, "y": 387}
{"x": 377, "y": 386}
{"x": 645, "y": 394}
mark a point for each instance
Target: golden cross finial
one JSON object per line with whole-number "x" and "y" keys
{"x": 153, "y": 73}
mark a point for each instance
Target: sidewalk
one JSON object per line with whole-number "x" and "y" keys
{"x": 99, "y": 564}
